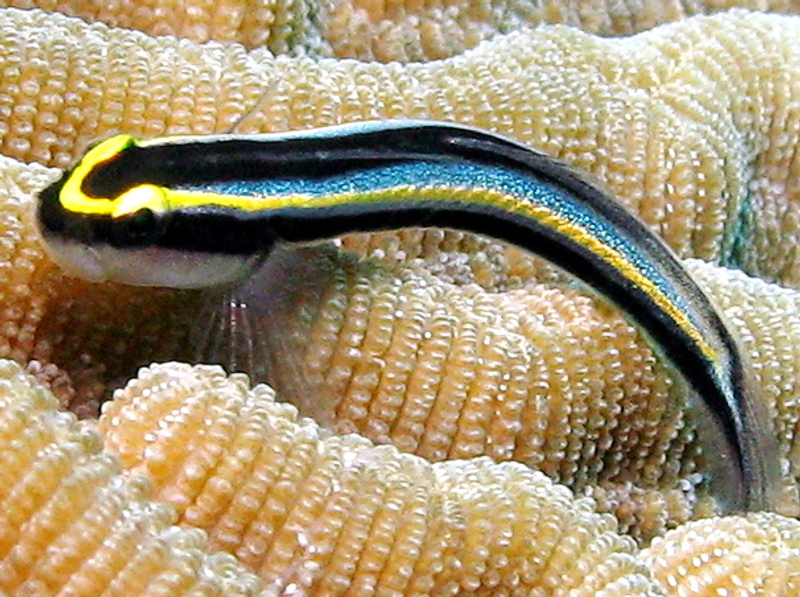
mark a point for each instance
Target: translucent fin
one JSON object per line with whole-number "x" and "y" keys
{"x": 227, "y": 333}
{"x": 253, "y": 328}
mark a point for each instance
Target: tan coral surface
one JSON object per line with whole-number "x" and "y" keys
{"x": 326, "y": 514}
{"x": 544, "y": 374}
{"x": 738, "y": 556}
{"x": 331, "y": 320}
{"x": 703, "y": 109}
{"x": 321, "y": 515}
{"x": 383, "y": 31}
{"x": 71, "y": 525}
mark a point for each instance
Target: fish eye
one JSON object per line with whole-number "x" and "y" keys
{"x": 137, "y": 229}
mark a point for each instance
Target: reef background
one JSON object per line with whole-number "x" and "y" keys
{"x": 442, "y": 344}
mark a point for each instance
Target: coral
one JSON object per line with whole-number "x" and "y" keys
{"x": 453, "y": 371}
{"x": 71, "y": 525}
{"x": 739, "y": 556}
{"x": 324, "y": 514}
{"x": 430, "y": 30}
{"x": 692, "y": 125}
{"x": 392, "y": 31}
{"x": 319, "y": 513}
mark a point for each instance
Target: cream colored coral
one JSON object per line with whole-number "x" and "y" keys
{"x": 389, "y": 31}
{"x": 692, "y": 125}
{"x": 283, "y": 27}
{"x": 23, "y": 299}
{"x": 60, "y": 300}
{"x": 71, "y": 525}
{"x": 429, "y": 30}
{"x": 452, "y": 371}
{"x": 112, "y": 331}
{"x": 328, "y": 514}
{"x": 756, "y": 555}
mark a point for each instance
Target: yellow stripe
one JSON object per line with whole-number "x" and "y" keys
{"x": 72, "y": 198}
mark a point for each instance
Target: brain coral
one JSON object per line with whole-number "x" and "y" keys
{"x": 320, "y": 513}
{"x": 390, "y": 31}
{"x": 333, "y": 513}
{"x": 328, "y": 321}
{"x": 693, "y": 125}
{"x": 71, "y": 525}
{"x": 753, "y": 555}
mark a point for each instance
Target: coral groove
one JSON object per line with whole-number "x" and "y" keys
{"x": 71, "y": 525}
{"x": 329, "y": 514}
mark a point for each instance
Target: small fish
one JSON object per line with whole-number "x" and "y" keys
{"x": 201, "y": 211}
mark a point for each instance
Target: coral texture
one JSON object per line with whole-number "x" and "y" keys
{"x": 551, "y": 417}
{"x": 544, "y": 374}
{"x": 391, "y": 31}
{"x": 332, "y": 514}
{"x": 742, "y": 556}
{"x": 71, "y": 525}
{"x": 693, "y": 125}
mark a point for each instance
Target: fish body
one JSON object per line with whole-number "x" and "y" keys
{"x": 198, "y": 211}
